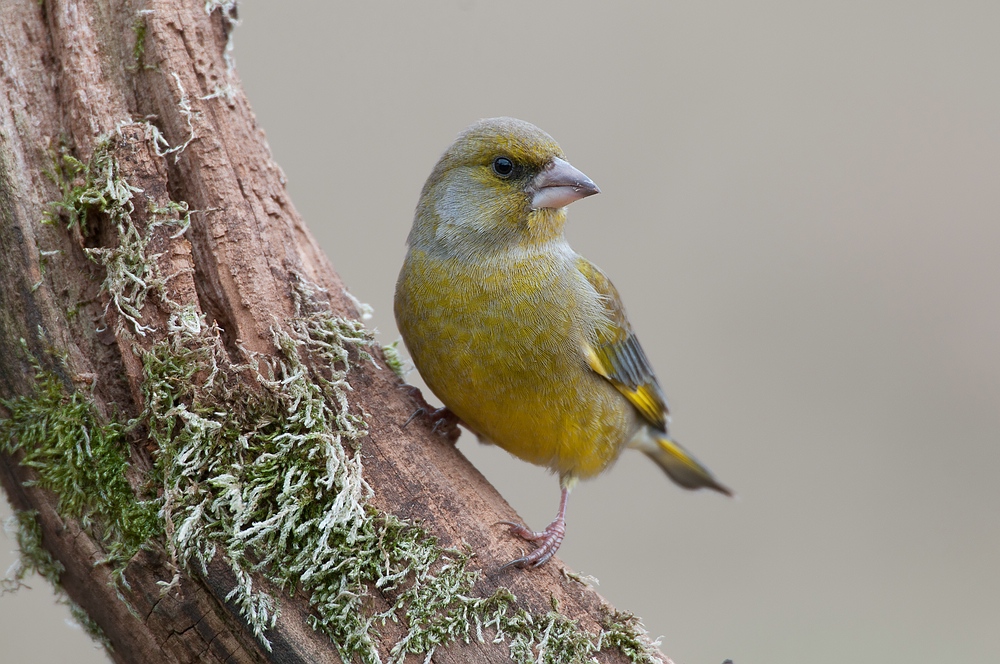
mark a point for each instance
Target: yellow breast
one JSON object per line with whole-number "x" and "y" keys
{"x": 501, "y": 341}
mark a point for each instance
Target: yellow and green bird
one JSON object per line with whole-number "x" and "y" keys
{"x": 523, "y": 339}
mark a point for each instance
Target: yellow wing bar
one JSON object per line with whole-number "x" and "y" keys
{"x": 646, "y": 395}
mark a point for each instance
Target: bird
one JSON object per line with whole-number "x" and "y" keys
{"x": 525, "y": 342}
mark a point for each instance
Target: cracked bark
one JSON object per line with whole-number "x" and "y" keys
{"x": 69, "y": 73}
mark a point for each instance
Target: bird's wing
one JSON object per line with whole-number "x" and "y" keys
{"x": 616, "y": 354}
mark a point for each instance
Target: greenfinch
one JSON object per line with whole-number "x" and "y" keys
{"x": 525, "y": 341}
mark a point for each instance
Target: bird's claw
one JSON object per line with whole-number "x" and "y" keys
{"x": 445, "y": 422}
{"x": 413, "y": 416}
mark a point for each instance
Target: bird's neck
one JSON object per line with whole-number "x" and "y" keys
{"x": 468, "y": 236}
{"x": 544, "y": 226}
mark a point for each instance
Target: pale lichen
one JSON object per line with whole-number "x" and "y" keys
{"x": 394, "y": 360}
{"x": 188, "y": 113}
{"x": 276, "y": 488}
{"x": 227, "y": 9}
{"x": 625, "y": 631}
{"x": 99, "y": 187}
{"x": 85, "y": 187}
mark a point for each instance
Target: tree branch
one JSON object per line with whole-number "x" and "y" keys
{"x": 188, "y": 402}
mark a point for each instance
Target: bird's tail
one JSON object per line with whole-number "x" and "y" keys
{"x": 679, "y": 464}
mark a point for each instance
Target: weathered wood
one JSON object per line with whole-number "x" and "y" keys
{"x": 73, "y": 72}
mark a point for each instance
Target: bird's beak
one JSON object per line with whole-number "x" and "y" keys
{"x": 559, "y": 184}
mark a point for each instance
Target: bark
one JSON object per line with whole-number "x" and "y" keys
{"x": 72, "y": 72}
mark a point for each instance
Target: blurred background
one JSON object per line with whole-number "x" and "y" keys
{"x": 801, "y": 209}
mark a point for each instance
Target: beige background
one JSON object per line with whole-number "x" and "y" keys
{"x": 801, "y": 208}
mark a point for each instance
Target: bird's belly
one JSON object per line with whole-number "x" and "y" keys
{"x": 506, "y": 358}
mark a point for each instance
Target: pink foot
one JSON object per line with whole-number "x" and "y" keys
{"x": 548, "y": 540}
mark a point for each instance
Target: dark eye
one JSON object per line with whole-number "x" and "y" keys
{"x": 503, "y": 166}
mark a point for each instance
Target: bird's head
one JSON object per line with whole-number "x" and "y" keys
{"x": 502, "y": 182}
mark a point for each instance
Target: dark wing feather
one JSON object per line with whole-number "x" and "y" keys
{"x": 616, "y": 354}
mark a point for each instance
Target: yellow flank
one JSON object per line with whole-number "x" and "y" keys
{"x": 524, "y": 340}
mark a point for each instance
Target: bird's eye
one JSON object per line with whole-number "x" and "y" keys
{"x": 503, "y": 167}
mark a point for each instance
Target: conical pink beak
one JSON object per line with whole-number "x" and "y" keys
{"x": 559, "y": 184}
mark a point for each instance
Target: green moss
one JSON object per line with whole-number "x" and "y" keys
{"x": 33, "y": 558}
{"x": 83, "y": 460}
{"x": 83, "y": 619}
{"x": 139, "y": 48}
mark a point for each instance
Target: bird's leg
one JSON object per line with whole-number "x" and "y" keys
{"x": 548, "y": 540}
{"x": 444, "y": 421}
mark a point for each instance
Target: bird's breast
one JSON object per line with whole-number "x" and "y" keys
{"x": 500, "y": 341}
